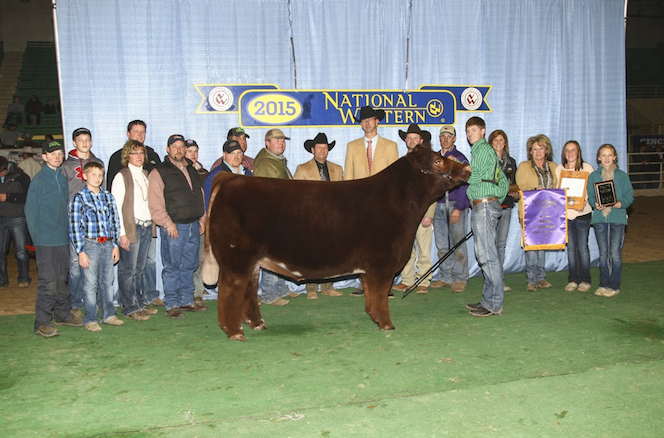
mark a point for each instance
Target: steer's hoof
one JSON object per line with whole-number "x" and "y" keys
{"x": 239, "y": 337}
{"x": 387, "y": 327}
{"x": 261, "y": 326}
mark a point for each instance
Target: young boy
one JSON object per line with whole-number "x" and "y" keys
{"x": 48, "y": 223}
{"x": 94, "y": 227}
{"x": 487, "y": 187}
{"x": 73, "y": 171}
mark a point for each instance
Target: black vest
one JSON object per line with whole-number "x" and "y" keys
{"x": 183, "y": 204}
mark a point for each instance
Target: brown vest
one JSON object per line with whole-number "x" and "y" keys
{"x": 129, "y": 221}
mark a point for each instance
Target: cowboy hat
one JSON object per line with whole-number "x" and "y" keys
{"x": 319, "y": 139}
{"x": 415, "y": 129}
{"x": 367, "y": 111}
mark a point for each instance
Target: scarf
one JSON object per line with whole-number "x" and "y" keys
{"x": 544, "y": 177}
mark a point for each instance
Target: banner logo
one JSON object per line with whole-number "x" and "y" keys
{"x": 220, "y": 98}
{"x": 266, "y": 106}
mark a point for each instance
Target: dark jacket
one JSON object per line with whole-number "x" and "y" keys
{"x": 15, "y": 185}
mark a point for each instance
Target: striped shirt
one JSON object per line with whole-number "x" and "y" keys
{"x": 91, "y": 216}
{"x": 487, "y": 179}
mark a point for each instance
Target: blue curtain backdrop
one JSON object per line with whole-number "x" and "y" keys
{"x": 555, "y": 67}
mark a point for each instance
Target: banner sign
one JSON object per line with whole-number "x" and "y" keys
{"x": 266, "y": 106}
{"x": 652, "y": 141}
{"x": 544, "y": 215}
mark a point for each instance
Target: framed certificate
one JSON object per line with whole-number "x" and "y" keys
{"x": 576, "y": 183}
{"x": 606, "y": 193}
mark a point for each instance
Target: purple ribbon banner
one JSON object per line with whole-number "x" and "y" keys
{"x": 544, "y": 219}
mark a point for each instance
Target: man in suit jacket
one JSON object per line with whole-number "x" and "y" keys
{"x": 369, "y": 155}
{"x": 383, "y": 152}
{"x": 319, "y": 169}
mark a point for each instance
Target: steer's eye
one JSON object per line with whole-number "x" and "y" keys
{"x": 437, "y": 162}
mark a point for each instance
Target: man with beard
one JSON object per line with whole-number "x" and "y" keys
{"x": 175, "y": 196}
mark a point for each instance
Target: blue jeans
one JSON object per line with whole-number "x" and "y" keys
{"x": 578, "y": 254}
{"x": 484, "y": 222}
{"x": 131, "y": 271}
{"x": 149, "y": 290}
{"x": 198, "y": 274}
{"x": 74, "y": 282}
{"x": 455, "y": 268}
{"x": 610, "y": 238}
{"x": 501, "y": 233}
{"x": 14, "y": 228}
{"x": 98, "y": 277}
{"x": 273, "y": 287}
{"x": 535, "y": 266}
{"x": 180, "y": 259}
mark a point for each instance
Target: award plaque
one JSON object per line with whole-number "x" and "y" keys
{"x": 606, "y": 193}
{"x": 575, "y": 182}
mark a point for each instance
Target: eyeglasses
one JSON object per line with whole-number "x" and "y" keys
{"x": 136, "y": 153}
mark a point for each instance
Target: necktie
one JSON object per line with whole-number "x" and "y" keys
{"x": 321, "y": 171}
{"x": 369, "y": 154}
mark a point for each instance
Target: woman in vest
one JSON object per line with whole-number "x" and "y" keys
{"x": 130, "y": 189}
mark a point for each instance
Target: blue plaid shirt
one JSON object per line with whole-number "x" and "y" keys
{"x": 92, "y": 216}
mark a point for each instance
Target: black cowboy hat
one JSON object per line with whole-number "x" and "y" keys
{"x": 319, "y": 139}
{"x": 367, "y": 111}
{"x": 415, "y": 129}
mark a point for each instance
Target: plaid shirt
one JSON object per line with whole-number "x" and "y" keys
{"x": 92, "y": 216}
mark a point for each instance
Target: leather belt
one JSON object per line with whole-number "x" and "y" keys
{"x": 489, "y": 199}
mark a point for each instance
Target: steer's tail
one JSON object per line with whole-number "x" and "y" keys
{"x": 210, "y": 270}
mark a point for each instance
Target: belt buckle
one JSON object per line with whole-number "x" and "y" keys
{"x": 101, "y": 239}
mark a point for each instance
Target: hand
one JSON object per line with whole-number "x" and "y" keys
{"x": 116, "y": 255}
{"x": 124, "y": 243}
{"x": 172, "y": 231}
{"x": 455, "y": 217}
{"x": 426, "y": 222}
{"x": 618, "y": 204}
{"x": 599, "y": 207}
{"x": 3, "y": 197}
{"x": 201, "y": 225}
{"x": 83, "y": 260}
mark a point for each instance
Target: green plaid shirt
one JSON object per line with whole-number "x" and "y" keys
{"x": 487, "y": 179}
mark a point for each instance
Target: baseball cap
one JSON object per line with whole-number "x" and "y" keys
{"x": 189, "y": 143}
{"x": 447, "y": 129}
{"x": 237, "y": 132}
{"x": 231, "y": 145}
{"x": 80, "y": 131}
{"x": 275, "y": 133}
{"x": 52, "y": 147}
{"x": 173, "y": 138}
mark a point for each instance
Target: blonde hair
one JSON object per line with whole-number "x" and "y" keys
{"x": 607, "y": 146}
{"x": 543, "y": 141}
{"x": 128, "y": 148}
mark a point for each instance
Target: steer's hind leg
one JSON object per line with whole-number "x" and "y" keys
{"x": 230, "y": 303}
{"x": 376, "y": 289}
{"x": 252, "y": 313}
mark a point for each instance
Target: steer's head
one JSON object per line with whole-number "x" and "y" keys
{"x": 449, "y": 171}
